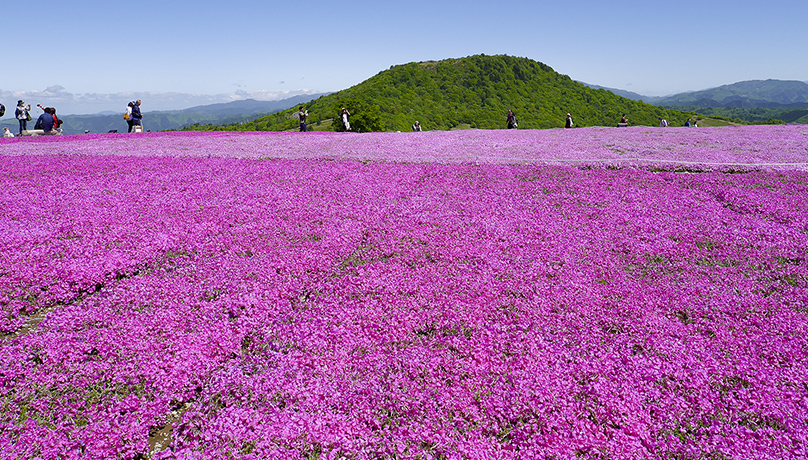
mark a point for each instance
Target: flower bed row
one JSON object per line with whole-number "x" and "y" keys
{"x": 737, "y": 148}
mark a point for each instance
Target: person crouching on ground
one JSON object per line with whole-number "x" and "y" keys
{"x": 46, "y": 121}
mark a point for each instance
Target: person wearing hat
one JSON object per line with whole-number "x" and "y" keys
{"x": 303, "y": 115}
{"x": 511, "y": 120}
{"x": 344, "y": 117}
{"x": 569, "y": 123}
{"x": 22, "y": 115}
{"x": 416, "y": 126}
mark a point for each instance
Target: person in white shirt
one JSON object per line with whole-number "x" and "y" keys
{"x": 7, "y": 133}
{"x": 344, "y": 117}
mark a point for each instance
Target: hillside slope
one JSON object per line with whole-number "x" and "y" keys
{"x": 470, "y": 92}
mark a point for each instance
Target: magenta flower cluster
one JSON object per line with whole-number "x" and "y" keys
{"x": 590, "y": 293}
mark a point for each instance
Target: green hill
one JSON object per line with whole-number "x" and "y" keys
{"x": 470, "y": 92}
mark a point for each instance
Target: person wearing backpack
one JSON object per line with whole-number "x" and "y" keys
{"x": 511, "y": 120}
{"x": 127, "y": 115}
{"x": 22, "y": 115}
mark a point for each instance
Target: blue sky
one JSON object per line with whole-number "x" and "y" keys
{"x": 92, "y": 55}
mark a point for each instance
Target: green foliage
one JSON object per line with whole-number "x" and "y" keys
{"x": 364, "y": 116}
{"x": 471, "y": 92}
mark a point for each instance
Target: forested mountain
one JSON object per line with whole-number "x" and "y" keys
{"x": 471, "y": 92}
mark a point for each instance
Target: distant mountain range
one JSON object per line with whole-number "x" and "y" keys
{"x": 225, "y": 113}
{"x": 621, "y": 92}
{"x": 752, "y": 101}
{"x": 752, "y": 94}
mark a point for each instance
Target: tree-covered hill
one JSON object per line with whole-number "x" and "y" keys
{"x": 470, "y": 92}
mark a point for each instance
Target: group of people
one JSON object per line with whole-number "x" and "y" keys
{"x": 133, "y": 116}
{"x": 303, "y": 115}
{"x": 663, "y": 123}
{"x": 511, "y": 121}
{"x": 48, "y": 122}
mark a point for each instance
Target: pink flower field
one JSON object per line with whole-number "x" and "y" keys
{"x": 594, "y": 293}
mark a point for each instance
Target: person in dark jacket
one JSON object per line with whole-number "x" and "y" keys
{"x": 46, "y": 121}
{"x": 511, "y": 120}
{"x": 137, "y": 117}
{"x": 22, "y": 115}
{"x": 302, "y": 115}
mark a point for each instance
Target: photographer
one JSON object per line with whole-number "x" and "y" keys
{"x": 22, "y": 115}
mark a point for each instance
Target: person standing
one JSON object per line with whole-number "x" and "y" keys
{"x": 569, "y": 123}
{"x": 22, "y": 115}
{"x": 663, "y": 123}
{"x": 137, "y": 116}
{"x": 344, "y": 117}
{"x": 511, "y": 120}
{"x": 417, "y": 126}
{"x": 128, "y": 115}
{"x": 302, "y": 115}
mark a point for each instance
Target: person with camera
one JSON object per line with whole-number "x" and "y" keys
{"x": 302, "y": 115}
{"x": 46, "y": 122}
{"x": 23, "y": 115}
